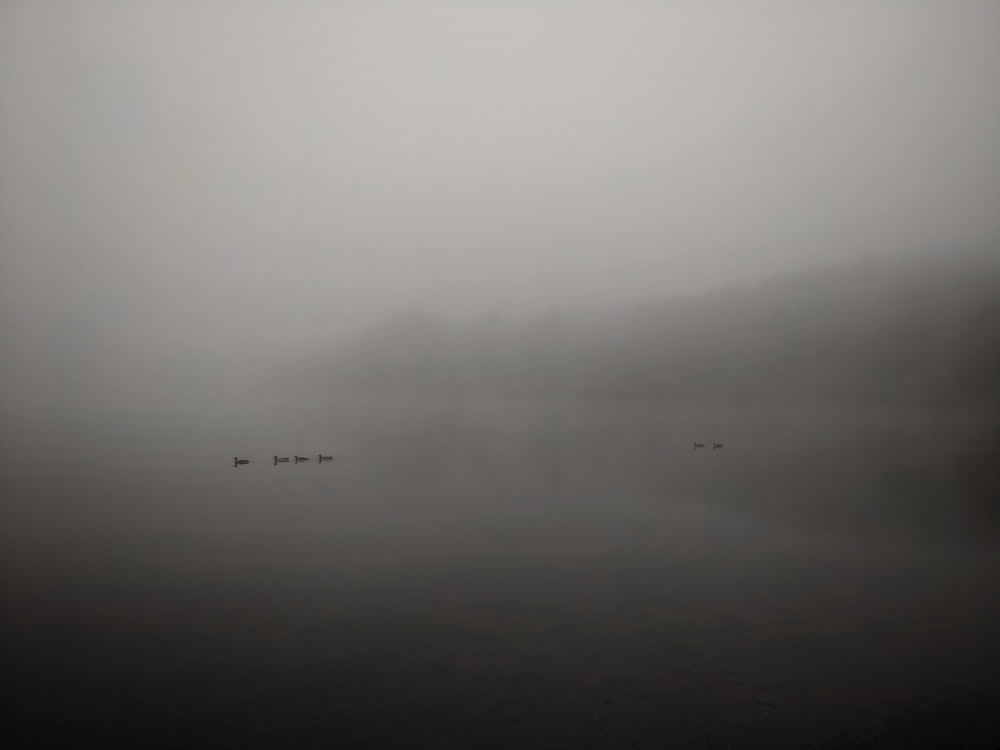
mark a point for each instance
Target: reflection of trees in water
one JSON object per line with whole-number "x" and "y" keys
{"x": 887, "y": 473}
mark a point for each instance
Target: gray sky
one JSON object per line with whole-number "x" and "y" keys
{"x": 193, "y": 183}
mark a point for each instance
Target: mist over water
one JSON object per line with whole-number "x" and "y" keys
{"x": 505, "y": 571}
{"x": 510, "y": 267}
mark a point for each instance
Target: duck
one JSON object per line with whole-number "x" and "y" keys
{"x": 279, "y": 460}
{"x": 698, "y": 445}
{"x": 321, "y": 457}
{"x": 717, "y": 445}
{"x": 301, "y": 458}
{"x": 240, "y": 461}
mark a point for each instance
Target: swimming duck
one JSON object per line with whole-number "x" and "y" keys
{"x": 278, "y": 460}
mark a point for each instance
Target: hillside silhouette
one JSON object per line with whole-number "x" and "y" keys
{"x": 897, "y": 330}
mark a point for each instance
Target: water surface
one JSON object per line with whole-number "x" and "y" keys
{"x": 480, "y": 574}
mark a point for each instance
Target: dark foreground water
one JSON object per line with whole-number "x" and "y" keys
{"x": 502, "y": 575}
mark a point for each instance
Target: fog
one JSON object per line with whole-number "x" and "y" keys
{"x": 185, "y": 186}
{"x": 654, "y": 345}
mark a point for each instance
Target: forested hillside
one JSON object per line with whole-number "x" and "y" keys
{"x": 886, "y": 330}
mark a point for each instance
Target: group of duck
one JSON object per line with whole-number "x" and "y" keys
{"x": 283, "y": 460}
{"x": 715, "y": 446}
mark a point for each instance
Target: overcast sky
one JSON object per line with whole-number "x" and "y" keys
{"x": 183, "y": 181}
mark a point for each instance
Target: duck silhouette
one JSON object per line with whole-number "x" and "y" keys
{"x": 717, "y": 445}
{"x": 240, "y": 461}
{"x": 321, "y": 457}
{"x": 279, "y": 460}
{"x": 301, "y": 458}
{"x": 698, "y": 445}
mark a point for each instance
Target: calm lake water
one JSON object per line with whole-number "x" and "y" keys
{"x": 493, "y": 575}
